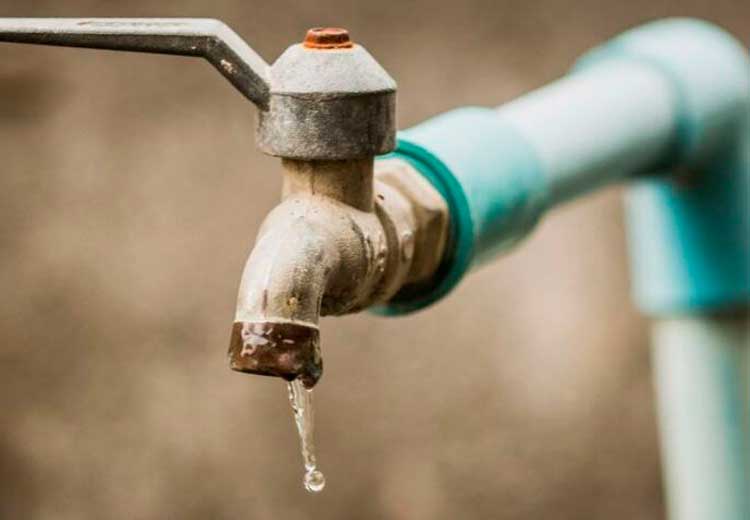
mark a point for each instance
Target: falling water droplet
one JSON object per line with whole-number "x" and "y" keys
{"x": 302, "y": 405}
{"x": 315, "y": 481}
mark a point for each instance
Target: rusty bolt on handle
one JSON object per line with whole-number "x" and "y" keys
{"x": 327, "y": 38}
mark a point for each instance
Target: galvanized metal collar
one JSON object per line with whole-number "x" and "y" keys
{"x": 329, "y": 103}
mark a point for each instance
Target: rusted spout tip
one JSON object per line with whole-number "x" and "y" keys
{"x": 287, "y": 350}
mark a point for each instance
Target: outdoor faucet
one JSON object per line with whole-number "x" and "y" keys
{"x": 347, "y": 235}
{"x": 665, "y": 106}
{"x": 343, "y": 239}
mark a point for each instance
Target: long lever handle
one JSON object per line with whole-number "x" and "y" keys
{"x": 204, "y": 37}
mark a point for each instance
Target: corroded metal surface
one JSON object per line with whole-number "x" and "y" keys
{"x": 430, "y": 216}
{"x": 328, "y": 104}
{"x": 327, "y": 38}
{"x": 325, "y": 99}
{"x": 342, "y": 239}
{"x": 286, "y": 350}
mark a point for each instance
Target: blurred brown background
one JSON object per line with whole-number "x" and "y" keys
{"x": 130, "y": 194}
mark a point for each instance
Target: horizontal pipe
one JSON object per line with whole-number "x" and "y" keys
{"x": 671, "y": 95}
{"x": 603, "y": 124}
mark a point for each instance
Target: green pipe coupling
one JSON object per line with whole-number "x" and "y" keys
{"x": 495, "y": 197}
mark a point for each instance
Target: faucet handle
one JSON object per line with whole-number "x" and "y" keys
{"x": 325, "y": 99}
{"x": 204, "y": 37}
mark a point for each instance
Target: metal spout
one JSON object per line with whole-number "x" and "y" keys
{"x": 276, "y": 325}
{"x": 342, "y": 239}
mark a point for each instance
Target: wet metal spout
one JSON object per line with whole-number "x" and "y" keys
{"x": 276, "y": 325}
{"x": 340, "y": 241}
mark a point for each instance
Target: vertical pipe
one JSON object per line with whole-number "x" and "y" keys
{"x": 700, "y": 366}
{"x": 689, "y": 241}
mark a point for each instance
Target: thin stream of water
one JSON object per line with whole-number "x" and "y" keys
{"x": 302, "y": 405}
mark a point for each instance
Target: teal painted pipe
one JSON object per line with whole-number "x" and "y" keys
{"x": 701, "y": 369}
{"x": 660, "y": 97}
{"x": 690, "y": 237}
{"x": 666, "y": 106}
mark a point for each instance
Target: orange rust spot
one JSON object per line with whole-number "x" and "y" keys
{"x": 327, "y": 38}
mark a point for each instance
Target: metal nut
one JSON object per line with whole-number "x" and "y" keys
{"x": 327, "y": 38}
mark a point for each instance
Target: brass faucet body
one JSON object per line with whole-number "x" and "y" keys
{"x": 347, "y": 235}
